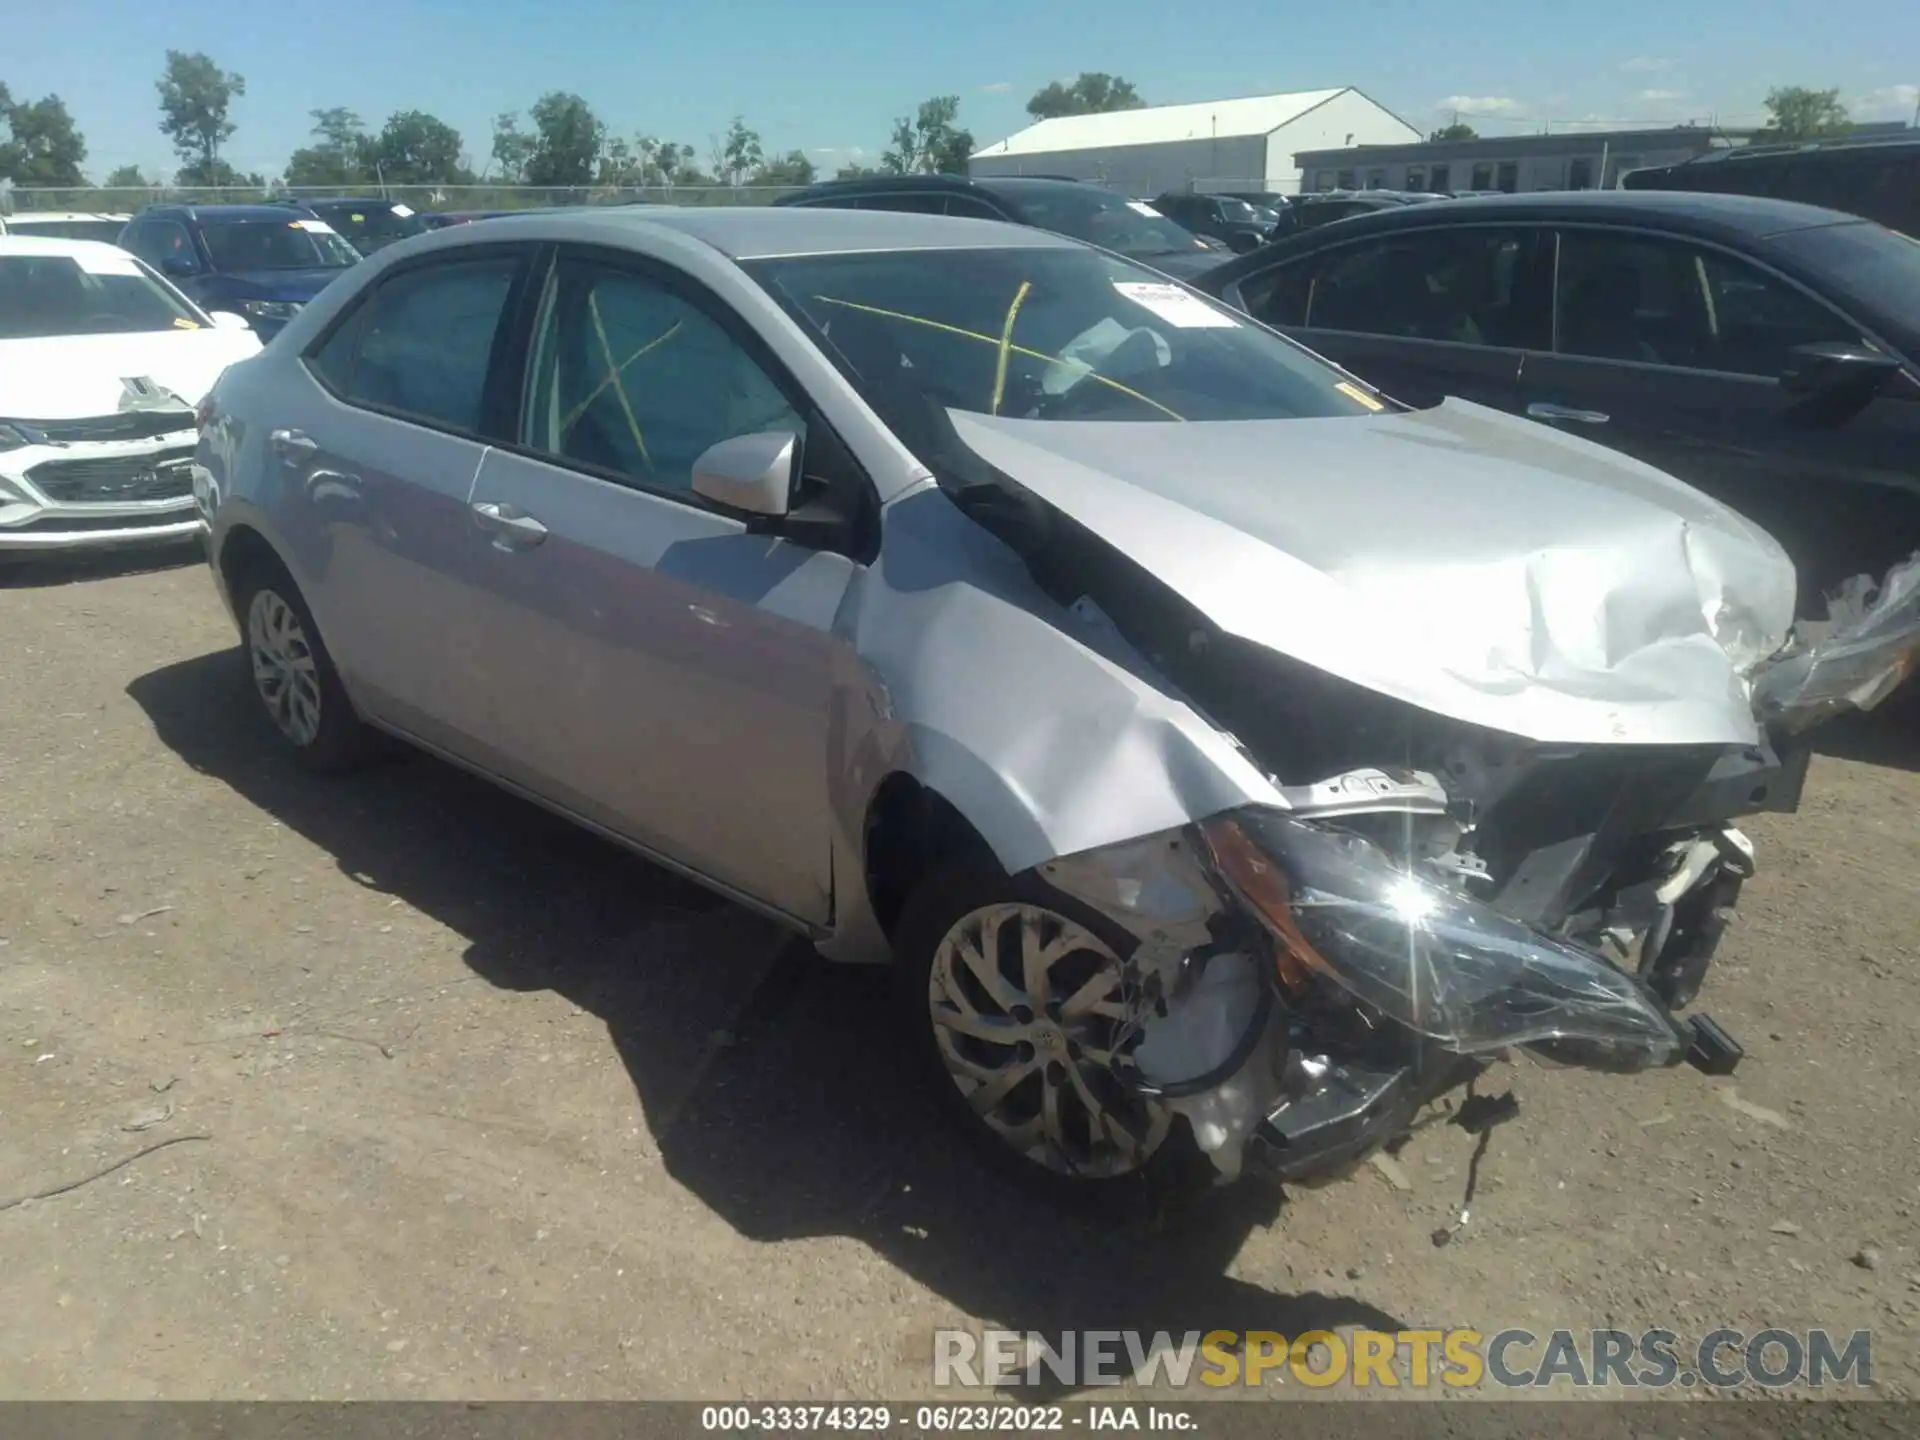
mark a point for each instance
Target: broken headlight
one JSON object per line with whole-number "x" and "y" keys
{"x": 1439, "y": 963}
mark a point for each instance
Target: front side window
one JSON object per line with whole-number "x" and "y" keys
{"x": 969, "y": 208}
{"x": 1622, "y": 296}
{"x": 421, "y": 345}
{"x": 165, "y": 245}
{"x": 634, "y": 379}
{"x": 911, "y": 203}
{"x": 1462, "y": 285}
{"x": 276, "y": 244}
{"x": 1044, "y": 334}
{"x": 99, "y": 293}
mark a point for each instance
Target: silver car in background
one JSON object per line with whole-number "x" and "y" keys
{"x": 1223, "y": 756}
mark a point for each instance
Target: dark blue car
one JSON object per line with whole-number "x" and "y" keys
{"x": 260, "y": 261}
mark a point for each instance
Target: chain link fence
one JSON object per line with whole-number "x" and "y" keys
{"x": 101, "y": 199}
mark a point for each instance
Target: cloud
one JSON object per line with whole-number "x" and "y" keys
{"x": 1646, "y": 64}
{"x": 1481, "y": 105}
{"x": 997, "y": 87}
{"x": 1658, "y": 95}
{"x": 1889, "y": 102}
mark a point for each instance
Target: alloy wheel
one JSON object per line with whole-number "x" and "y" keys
{"x": 284, "y": 669}
{"x": 1027, "y": 1011}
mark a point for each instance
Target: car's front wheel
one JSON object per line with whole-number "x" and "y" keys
{"x": 293, "y": 675}
{"x": 1014, "y": 998}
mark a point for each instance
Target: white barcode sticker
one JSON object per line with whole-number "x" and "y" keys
{"x": 315, "y": 227}
{"x": 106, "y": 261}
{"x": 402, "y": 211}
{"x": 1143, "y": 208}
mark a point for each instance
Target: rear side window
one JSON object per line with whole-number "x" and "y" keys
{"x": 969, "y": 208}
{"x": 912, "y": 204}
{"x": 421, "y": 344}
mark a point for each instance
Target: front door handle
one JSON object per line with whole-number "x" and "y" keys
{"x": 513, "y": 528}
{"x": 293, "y": 446}
{"x": 1547, "y": 410}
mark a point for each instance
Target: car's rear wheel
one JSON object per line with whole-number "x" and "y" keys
{"x": 293, "y": 675}
{"x": 1012, "y": 994}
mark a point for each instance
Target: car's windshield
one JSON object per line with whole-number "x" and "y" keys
{"x": 293, "y": 244}
{"x": 368, "y": 226}
{"x": 1872, "y": 266}
{"x": 104, "y": 293}
{"x": 1102, "y": 218}
{"x": 1240, "y": 212}
{"x": 1058, "y": 333}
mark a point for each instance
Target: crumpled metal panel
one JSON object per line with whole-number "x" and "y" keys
{"x": 1045, "y": 734}
{"x": 1478, "y": 566}
{"x": 1870, "y": 645}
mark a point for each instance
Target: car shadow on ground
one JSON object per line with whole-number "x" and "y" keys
{"x": 784, "y": 1103}
{"x": 39, "y": 572}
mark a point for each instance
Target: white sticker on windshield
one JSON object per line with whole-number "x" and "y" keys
{"x": 402, "y": 211}
{"x": 1143, "y": 208}
{"x": 104, "y": 261}
{"x": 316, "y": 227}
{"x": 1175, "y": 306}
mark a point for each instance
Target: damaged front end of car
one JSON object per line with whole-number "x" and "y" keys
{"x": 1309, "y": 974}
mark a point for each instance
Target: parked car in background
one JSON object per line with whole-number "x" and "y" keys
{"x": 1197, "y": 733}
{"x": 1322, "y": 207}
{"x": 1067, "y": 207}
{"x": 1766, "y": 352}
{"x": 1242, "y": 227}
{"x": 367, "y": 222}
{"x": 1876, "y": 178}
{"x": 101, "y": 365}
{"x": 262, "y": 261}
{"x": 65, "y": 225}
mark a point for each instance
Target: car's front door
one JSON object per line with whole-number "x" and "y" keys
{"x": 1421, "y": 314}
{"x": 379, "y": 441}
{"x": 1673, "y": 352}
{"x": 654, "y": 664}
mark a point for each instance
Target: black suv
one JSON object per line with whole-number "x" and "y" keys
{"x": 1241, "y": 225}
{"x": 1067, "y": 207}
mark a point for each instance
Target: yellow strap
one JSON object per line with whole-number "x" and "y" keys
{"x": 991, "y": 340}
{"x": 1006, "y": 344}
{"x": 572, "y": 417}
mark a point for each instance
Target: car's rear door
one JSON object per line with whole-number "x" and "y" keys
{"x": 1421, "y": 314}
{"x": 1671, "y": 350}
{"x": 653, "y": 664}
{"x": 377, "y": 436}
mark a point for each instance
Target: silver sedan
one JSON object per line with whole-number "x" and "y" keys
{"x": 1228, "y": 759}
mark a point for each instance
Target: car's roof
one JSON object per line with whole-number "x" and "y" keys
{"x": 226, "y": 211}
{"x": 1011, "y": 185}
{"x": 756, "y": 232}
{"x": 1723, "y": 216}
{"x": 370, "y": 201}
{"x": 60, "y": 217}
{"x": 14, "y": 244}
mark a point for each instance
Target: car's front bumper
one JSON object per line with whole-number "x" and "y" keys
{"x": 98, "y": 496}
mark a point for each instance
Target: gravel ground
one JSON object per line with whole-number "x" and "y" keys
{"x": 490, "y": 1109}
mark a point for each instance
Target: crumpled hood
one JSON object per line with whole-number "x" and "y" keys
{"x": 76, "y": 377}
{"x": 1471, "y": 564}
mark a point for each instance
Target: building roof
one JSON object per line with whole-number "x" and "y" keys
{"x": 1158, "y": 124}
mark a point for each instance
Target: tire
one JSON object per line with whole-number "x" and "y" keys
{"x": 292, "y": 676}
{"x": 971, "y": 900}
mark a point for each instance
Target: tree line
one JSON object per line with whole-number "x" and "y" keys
{"x": 561, "y": 142}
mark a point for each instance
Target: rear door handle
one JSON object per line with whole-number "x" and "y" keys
{"x": 513, "y": 528}
{"x": 293, "y": 446}
{"x": 1547, "y": 410}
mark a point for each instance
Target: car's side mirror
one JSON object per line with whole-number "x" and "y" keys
{"x": 178, "y": 267}
{"x": 227, "y": 320}
{"x": 750, "y": 473}
{"x": 1836, "y": 369}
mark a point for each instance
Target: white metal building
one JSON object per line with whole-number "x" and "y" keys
{"x": 1244, "y": 144}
